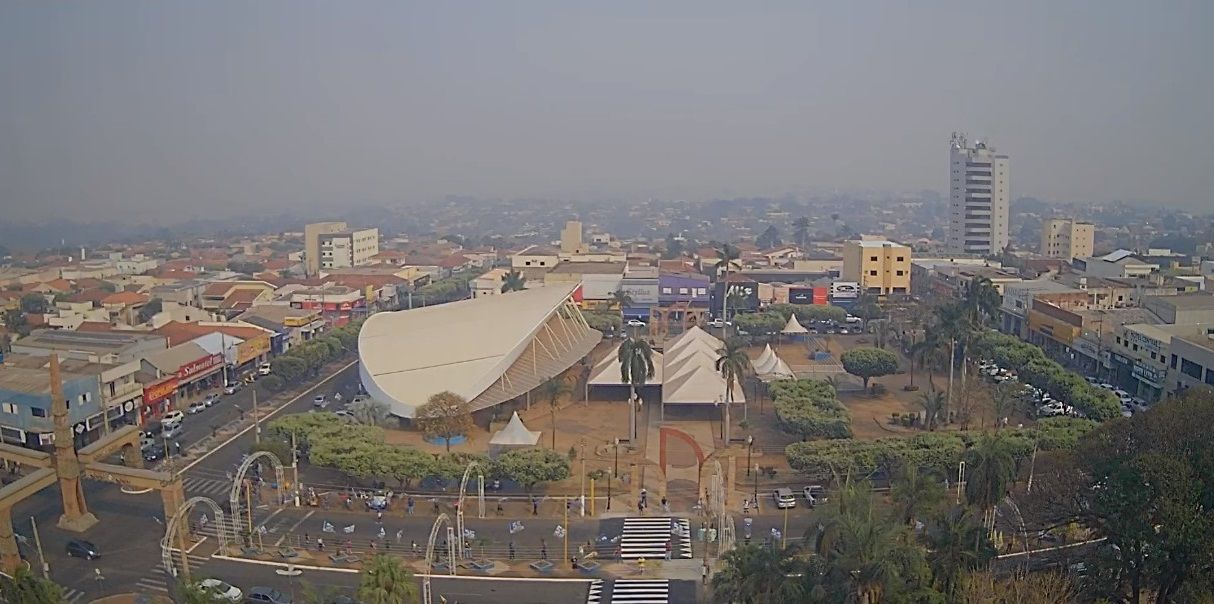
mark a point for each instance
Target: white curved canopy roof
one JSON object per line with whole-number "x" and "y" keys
{"x": 487, "y": 350}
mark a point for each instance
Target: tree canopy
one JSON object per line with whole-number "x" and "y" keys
{"x": 445, "y": 415}
{"x": 868, "y": 363}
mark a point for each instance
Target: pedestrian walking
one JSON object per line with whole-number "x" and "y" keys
{"x": 704, "y": 573}
{"x": 320, "y": 544}
{"x": 512, "y": 550}
{"x": 641, "y": 507}
{"x": 413, "y": 544}
{"x": 379, "y": 517}
{"x": 400, "y": 535}
{"x": 500, "y": 511}
{"x": 665, "y": 505}
{"x": 543, "y": 550}
{"x": 306, "y": 540}
{"x": 669, "y": 549}
{"x": 435, "y": 502}
{"x": 409, "y": 506}
{"x": 535, "y": 506}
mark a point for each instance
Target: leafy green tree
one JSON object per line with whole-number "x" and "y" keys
{"x": 513, "y": 281}
{"x": 552, "y": 390}
{"x": 35, "y": 303}
{"x": 290, "y": 368}
{"x": 950, "y": 539}
{"x": 990, "y": 469}
{"x": 27, "y": 588}
{"x": 370, "y": 412}
{"x": 530, "y": 467}
{"x": 636, "y": 368}
{"x": 769, "y": 238}
{"x": 868, "y": 363}
{"x": 673, "y": 248}
{"x": 916, "y": 493}
{"x": 1021, "y": 588}
{"x": 273, "y": 383}
{"x": 933, "y": 403}
{"x": 758, "y": 323}
{"x": 445, "y": 415}
{"x": 620, "y": 299}
{"x": 752, "y": 574}
{"x": 733, "y": 365}
{"x": 194, "y": 593}
{"x": 603, "y": 321}
{"x": 406, "y": 465}
{"x": 810, "y": 409}
{"x": 386, "y": 580}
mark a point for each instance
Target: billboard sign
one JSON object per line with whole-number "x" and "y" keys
{"x": 844, "y": 290}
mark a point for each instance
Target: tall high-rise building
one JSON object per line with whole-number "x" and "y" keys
{"x": 979, "y": 193}
{"x": 1067, "y": 238}
{"x": 571, "y": 238}
{"x": 312, "y": 233}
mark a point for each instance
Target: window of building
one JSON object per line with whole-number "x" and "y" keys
{"x": 1135, "y": 348}
{"x": 1173, "y": 361}
{"x": 9, "y": 408}
{"x": 1210, "y": 377}
{"x": 901, "y": 258}
{"x": 667, "y": 290}
{"x": 872, "y": 258}
{"x": 872, "y": 273}
{"x": 900, "y": 273}
{"x": 527, "y": 263}
{"x": 703, "y": 291}
{"x": 38, "y": 411}
{"x": 1190, "y": 369}
{"x": 683, "y": 291}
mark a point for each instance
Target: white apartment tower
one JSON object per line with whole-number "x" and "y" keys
{"x": 978, "y": 198}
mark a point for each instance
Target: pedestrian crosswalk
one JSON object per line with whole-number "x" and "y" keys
{"x": 215, "y": 488}
{"x": 596, "y": 592}
{"x": 158, "y": 582}
{"x": 72, "y": 596}
{"x": 640, "y": 591}
{"x": 647, "y": 537}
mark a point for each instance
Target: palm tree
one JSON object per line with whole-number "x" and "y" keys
{"x": 552, "y": 390}
{"x": 933, "y": 403}
{"x": 949, "y": 539}
{"x": 916, "y": 493}
{"x": 734, "y": 365}
{"x": 513, "y": 281}
{"x": 620, "y": 299}
{"x": 981, "y": 301}
{"x": 990, "y": 470}
{"x": 727, "y": 255}
{"x": 24, "y": 586}
{"x": 386, "y": 580}
{"x": 736, "y": 301}
{"x": 636, "y": 367}
{"x": 801, "y": 232}
{"x": 194, "y": 593}
{"x": 756, "y": 574}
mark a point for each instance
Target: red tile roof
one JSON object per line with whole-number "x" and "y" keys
{"x": 180, "y": 333}
{"x": 240, "y": 299}
{"x": 124, "y": 297}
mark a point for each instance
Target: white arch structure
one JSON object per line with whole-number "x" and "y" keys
{"x": 234, "y": 495}
{"x": 172, "y": 528}
{"x": 459, "y": 506}
{"x": 442, "y": 520}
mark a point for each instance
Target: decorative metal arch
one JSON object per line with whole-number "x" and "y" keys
{"x": 172, "y": 528}
{"x": 442, "y": 520}
{"x": 238, "y": 479}
{"x": 459, "y": 506}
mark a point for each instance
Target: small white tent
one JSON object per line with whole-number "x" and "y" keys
{"x": 514, "y": 436}
{"x": 793, "y": 327}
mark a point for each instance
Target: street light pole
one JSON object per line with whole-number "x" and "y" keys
{"x": 46, "y": 568}
{"x": 256, "y": 424}
{"x": 295, "y": 468}
{"x": 614, "y": 473}
{"x": 750, "y": 444}
{"x": 756, "y": 488}
{"x": 583, "y": 500}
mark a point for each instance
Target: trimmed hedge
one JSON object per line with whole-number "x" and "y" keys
{"x": 1033, "y": 367}
{"x": 810, "y": 409}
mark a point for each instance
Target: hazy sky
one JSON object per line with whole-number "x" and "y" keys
{"x": 174, "y": 110}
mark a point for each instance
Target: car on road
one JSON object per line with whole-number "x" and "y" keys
{"x": 221, "y": 591}
{"x": 267, "y": 595}
{"x": 635, "y": 323}
{"x": 211, "y": 399}
{"x": 196, "y": 407}
{"x": 1107, "y": 386}
{"x": 784, "y": 498}
{"x": 377, "y": 502}
{"x": 79, "y": 548}
{"x": 814, "y": 494}
{"x": 853, "y": 319}
{"x": 232, "y": 388}
{"x": 344, "y": 415}
{"x": 172, "y": 430}
{"x": 172, "y": 417}
{"x": 152, "y": 452}
{"x": 718, "y": 323}
{"x": 263, "y": 369}
{"x": 320, "y": 402}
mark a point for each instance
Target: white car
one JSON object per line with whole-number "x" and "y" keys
{"x": 853, "y": 319}
{"x": 814, "y": 494}
{"x": 718, "y": 323}
{"x": 1107, "y": 386}
{"x": 635, "y": 323}
{"x": 784, "y": 498}
{"x": 172, "y": 418}
{"x": 196, "y": 407}
{"x": 223, "y": 592}
{"x": 210, "y": 400}
{"x": 263, "y": 369}
{"x": 320, "y": 402}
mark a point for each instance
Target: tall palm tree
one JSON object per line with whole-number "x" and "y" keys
{"x": 620, "y": 299}
{"x": 552, "y": 390}
{"x": 756, "y": 574}
{"x": 735, "y": 301}
{"x": 386, "y": 580}
{"x": 933, "y": 403}
{"x": 513, "y": 281}
{"x": 981, "y": 301}
{"x": 801, "y": 231}
{"x": 636, "y": 368}
{"x": 950, "y": 540}
{"x": 990, "y": 470}
{"x": 916, "y": 493}
{"x": 727, "y": 256}
{"x": 734, "y": 365}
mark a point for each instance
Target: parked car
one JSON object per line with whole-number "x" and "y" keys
{"x": 79, "y": 548}
{"x": 196, "y": 407}
{"x": 232, "y": 388}
{"x": 718, "y": 323}
{"x": 378, "y": 502}
{"x": 172, "y": 430}
{"x": 211, "y": 399}
{"x": 320, "y": 402}
{"x": 221, "y": 591}
{"x": 172, "y": 417}
{"x": 635, "y": 323}
{"x": 267, "y": 595}
{"x": 263, "y": 369}
{"x": 344, "y": 415}
{"x": 814, "y": 494}
{"x": 853, "y": 319}
{"x": 784, "y": 498}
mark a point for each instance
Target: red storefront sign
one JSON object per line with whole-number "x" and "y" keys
{"x": 158, "y": 391}
{"x": 185, "y": 372}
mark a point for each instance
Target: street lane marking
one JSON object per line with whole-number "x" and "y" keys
{"x": 293, "y": 527}
{"x": 356, "y": 571}
{"x": 269, "y": 415}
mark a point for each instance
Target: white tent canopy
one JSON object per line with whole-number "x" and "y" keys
{"x": 607, "y": 371}
{"x": 699, "y": 385}
{"x": 695, "y": 333}
{"x": 769, "y": 366}
{"x": 515, "y": 434}
{"x": 690, "y": 375}
{"x": 793, "y": 327}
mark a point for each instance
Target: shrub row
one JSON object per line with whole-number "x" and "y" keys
{"x": 810, "y": 409}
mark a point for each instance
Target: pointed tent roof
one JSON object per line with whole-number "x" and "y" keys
{"x": 698, "y": 334}
{"x": 764, "y": 359}
{"x": 692, "y": 346}
{"x": 515, "y": 433}
{"x": 779, "y": 370}
{"x": 607, "y": 371}
{"x": 699, "y": 385}
{"x": 793, "y": 327}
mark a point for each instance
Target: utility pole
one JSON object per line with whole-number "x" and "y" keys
{"x": 295, "y": 468}
{"x": 583, "y": 511}
{"x": 567, "y": 530}
{"x": 615, "y": 473}
{"x": 952, "y": 343}
{"x": 46, "y": 568}
{"x": 256, "y": 423}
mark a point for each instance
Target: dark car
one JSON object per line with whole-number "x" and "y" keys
{"x": 267, "y": 595}
{"x": 79, "y": 548}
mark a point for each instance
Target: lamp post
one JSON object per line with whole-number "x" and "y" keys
{"x": 583, "y": 495}
{"x": 756, "y": 502}
{"x": 615, "y": 471}
{"x": 750, "y": 445}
